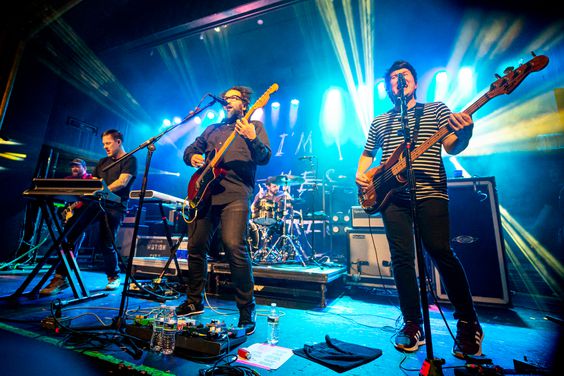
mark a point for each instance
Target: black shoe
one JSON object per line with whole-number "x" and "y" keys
{"x": 247, "y": 319}
{"x": 410, "y": 337}
{"x": 189, "y": 309}
{"x": 469, "y": 337}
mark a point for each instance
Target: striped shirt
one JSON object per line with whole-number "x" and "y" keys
{"x": 429, "y": 170}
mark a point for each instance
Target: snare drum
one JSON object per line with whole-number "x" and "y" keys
{"x": 266, "y": 212}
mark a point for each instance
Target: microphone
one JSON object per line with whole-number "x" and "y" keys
{"x": 219, "y": 100}
{"x": 401, "y": 81}
{"x": 306, "y": 157}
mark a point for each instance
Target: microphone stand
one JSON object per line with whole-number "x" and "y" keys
{"x": 313, "y": 163}
{"x": 431, "y": 366}
{"x": 119, "y": 321}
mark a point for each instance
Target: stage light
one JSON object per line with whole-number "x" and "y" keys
{"x": 217, "y": 29}
{"x": 466, "y": 80}
{"x": 166, "y": 123}
{"x": 441, "y": 85}
{"x": 293, "y": 117}
{"x": 333, "y": 113}
{"x": 197, "y": 120}
{"x": 210, "y": 115}
{"x": 336, "y": 229}
{"x": 346, "y": 218}
{"x": 381, "y": 88}
{"x": 260, "y": 21}
{"x": 258, "y": 115}
{"x": 275, "y": 105}
{"x": 274, "y": 113}
{"x": 221, "y": 115}
{"x": 176, "y": 120}
{"x": 335, "y": 218}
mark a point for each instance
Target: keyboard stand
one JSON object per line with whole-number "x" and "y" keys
{"x": 66, "y": 257}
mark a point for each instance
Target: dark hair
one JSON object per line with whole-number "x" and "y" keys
{"x": 245, "y": 91}
{"x": 116, "y": 135}
{"x": 399, "y": 64}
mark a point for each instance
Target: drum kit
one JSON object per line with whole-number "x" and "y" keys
{"x": 273, "y": 232}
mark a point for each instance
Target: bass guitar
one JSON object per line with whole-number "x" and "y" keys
{"x": 388, "y": 177}
{"x": 210, "y": 173}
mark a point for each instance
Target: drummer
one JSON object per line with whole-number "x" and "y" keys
{"x": 273, "y": 194}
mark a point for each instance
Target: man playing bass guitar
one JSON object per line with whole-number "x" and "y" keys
{"x": 227, "y": 205}
{"x": 431, "y": 208}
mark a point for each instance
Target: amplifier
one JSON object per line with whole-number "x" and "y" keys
{"x": 361, "y": 219}
{"x": 477, "y": 239}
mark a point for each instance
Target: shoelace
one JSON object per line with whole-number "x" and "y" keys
{"x": 410, "y": 330}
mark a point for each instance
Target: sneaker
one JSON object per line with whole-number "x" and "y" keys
{"x": 469, "y": 337}
{"x": 410, "y": 337}
{"x": 189, "y": 309}
{"x": 247, "y": 319}
{"x": 113, "y": 283}
{"x": 57, "y": 284}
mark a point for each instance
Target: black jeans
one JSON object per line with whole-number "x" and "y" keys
{"x": 106, "y": 234}
{"x": 232, "y": 218}
{"x": 433, "y": 221}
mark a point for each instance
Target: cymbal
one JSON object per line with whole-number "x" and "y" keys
{"x": 286, "y": 180}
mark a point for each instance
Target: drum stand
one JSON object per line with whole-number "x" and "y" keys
{"x": 287, "y": 239}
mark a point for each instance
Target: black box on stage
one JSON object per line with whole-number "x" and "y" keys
{"x": 477, "y": 239}
{"x": 369, "y": 257}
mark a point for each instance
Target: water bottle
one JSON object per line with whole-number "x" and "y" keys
{"x": 273, "y": 322}
{"x": 158, "y": 326}
{"x": 169, "y": 333}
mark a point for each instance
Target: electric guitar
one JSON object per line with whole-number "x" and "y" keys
{"x": 68, "y": 211}
{"x": 209, "y": 174}
{"x": 388, "y": 177}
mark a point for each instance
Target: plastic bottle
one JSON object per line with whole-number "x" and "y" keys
{"x": 158, "y": 327}
{"x": 273, "y": 325}
{"x": 169, "y": 333}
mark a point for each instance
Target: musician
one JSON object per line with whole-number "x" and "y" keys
{"x": 228, "y": 204}
{"x": 119, "y": 179}
{"x": 273, "y": 195}
{"x": 431, "y": 208}
{"x": 78, "y": 170}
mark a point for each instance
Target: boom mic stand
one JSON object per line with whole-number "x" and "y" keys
{"x": 314, "y": 166}
{"x": 150, "y": 145}
{"x": 431, "y": 366}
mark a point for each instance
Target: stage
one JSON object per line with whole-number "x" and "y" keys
{"x": 354, "y": 314}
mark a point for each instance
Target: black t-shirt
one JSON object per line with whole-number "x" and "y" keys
{"x": 126, "y": 166}
{"x": 239, "y": 161}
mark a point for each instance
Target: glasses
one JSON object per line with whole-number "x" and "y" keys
{"x": 233, "y": 98}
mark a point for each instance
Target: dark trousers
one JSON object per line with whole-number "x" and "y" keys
{"x": 106, "y": 234}
{"x": 433, "y": 221}
{"x": 232, "y": 218}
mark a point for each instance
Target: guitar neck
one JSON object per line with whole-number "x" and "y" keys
{"x": 217, "y": 157}
{"x": 437, "y": 136}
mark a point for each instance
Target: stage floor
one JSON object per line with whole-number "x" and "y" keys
{"x": 357, "y": 315}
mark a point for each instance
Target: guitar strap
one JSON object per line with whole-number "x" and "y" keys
{"x": 419, "y": 107}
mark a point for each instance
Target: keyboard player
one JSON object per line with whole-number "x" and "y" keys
{"x": 108, "y": 218}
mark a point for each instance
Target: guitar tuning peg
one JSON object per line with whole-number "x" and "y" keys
{"x": 497, "y": 76}
{"x": 508, "y": 70}
{"x": 533, "y": 53}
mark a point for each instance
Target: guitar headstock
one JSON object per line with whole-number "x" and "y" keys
{"x": 263, "y": 100}
{"x": 514, "y": 77}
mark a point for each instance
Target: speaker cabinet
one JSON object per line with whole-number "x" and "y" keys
{"x": 477, "y": 239}
{"x": 369, "y": 257}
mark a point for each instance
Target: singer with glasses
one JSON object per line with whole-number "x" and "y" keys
{"x": 431, "y": 208}
{"x": 228, "y": 206}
